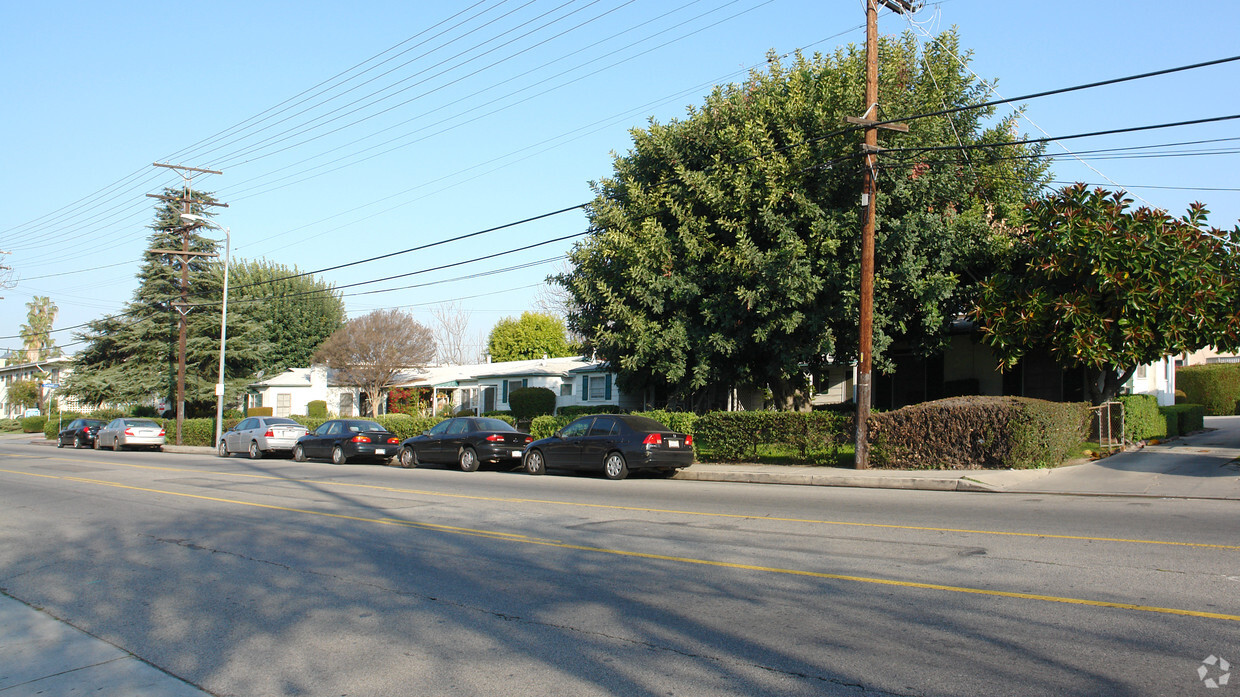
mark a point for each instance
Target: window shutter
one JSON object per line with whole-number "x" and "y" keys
{"x": 504, "y": 398}
{"x": 585, "y": 388}
{"x": 607, "y": 388}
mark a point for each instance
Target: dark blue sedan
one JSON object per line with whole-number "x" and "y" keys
{"x": 613, "y": 443}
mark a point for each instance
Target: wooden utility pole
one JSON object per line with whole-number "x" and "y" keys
{"x": 869, "y": 200}
{"x": 182, "y": 307}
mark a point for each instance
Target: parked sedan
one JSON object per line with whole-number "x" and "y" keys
{"x": 614, "y": 443}
{"x": 80, "y": 433}
{"x": 120, "y": 434}
{"x": 467, "y": 441}
{"x": 259, "y": 435}
{"x": 344, "y": 439}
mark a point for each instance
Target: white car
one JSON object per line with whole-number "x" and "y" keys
{"x": 259, "y": 435}
{"x": 123, "y": 433}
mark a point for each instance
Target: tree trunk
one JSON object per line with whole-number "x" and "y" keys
{"x": 1103, "y": 384}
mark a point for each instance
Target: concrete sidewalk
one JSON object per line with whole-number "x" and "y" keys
{"x": 1201, "y": 465}
{"x": 40, "y": 655}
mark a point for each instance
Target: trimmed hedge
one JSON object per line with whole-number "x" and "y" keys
{"x": 546, "y": 426}
{"x": 1187, "y": 417}
{"x": 528, "y": 402}
{"x": 316, "y": 408}
{"x": 974, "y": 432}
{"x": 33, "y": 424}
{"x": 1215, "y": 386}
{"x": 1142, "y": 419}
{"x": 10, "y": 425}
{"x": 735, "y": 435}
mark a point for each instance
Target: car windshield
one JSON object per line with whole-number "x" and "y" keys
{"x": 357, "y": 426}
{"x": 493, "y": 425}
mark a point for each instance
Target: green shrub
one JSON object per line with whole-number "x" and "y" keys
{"x": 528, "y": 402}
{"x": 1142, "y": 420}
{"x": 259, "y": 411}
{"x": 56, "y": 422}
{"x": 106, "y": 415}
{"x": 678, "y": 421}
{"x": 10, "y": 425}
{"x": 144, "y": 411}
{"x": 33, "y": 424}
{"x": 1188, "y": 417}
{"x": 316, "y": 408}
{"x": 735, "y": 435}
{"x": 969, "y": 432}
{"x": 546, "y": 426}
{"x": 407, "y": 425}
{"x": 1216, "y": 386}
{"x": 505, "y": 416}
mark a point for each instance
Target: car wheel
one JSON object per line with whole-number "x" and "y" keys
{"x": 534, "y": 463}
{"x": 468, "y": 460}
{"x": 338, "y": 457}
{"x": 614, "y": 467}
{"x": 77, "y": 443}
{"x": 299, "y": 455}
{"x": 116, "y": 445}
{"x": 255, "y": 453}
{"x": 60, "y": 443}
{"x": 96, "y": 445}
{"x": 222, "y": 450}
{"x": 408, "y": 457}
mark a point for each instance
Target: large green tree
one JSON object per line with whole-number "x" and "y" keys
{"x": 132, "y": 356}
{"x": 534, "y": 335}
{"x": 724, "y": 249}
{"x": 296, "y": 312}
{"x": 1108, "y": 288}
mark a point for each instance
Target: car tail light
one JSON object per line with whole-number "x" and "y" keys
{"x": 269, "y": 434}
{"x": 161, "y": 432}
{"x": 129, "y": 432}
{"x": 361, "y": 439}
{"x": 86, "y": 431}
{"x": 393, "y": 440}
{"x": 688, "y": 440}
{"x": 653, "y": 439}
{"x": 494, "y": 437}
{"x": 529, "y": 439}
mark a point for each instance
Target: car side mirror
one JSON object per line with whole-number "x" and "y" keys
{"x": 559, "y": 433}
{"x": 426, "y": 433}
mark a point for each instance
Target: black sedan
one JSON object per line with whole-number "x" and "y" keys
{"x": 345, "y": 439}
{"x": 467, "y": 441}
{"x": 614, "y": 443}
{"x": 80, "y": 433}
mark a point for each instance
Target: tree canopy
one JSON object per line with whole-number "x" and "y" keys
{"x": 296, "y": 312}
{"x": 1108, "y": 288}
{"x": 36, "y": 333}
{"x": 724, "y": 248}
{"x": 534, "y": 335}
{"x": 370, "y": 350}
{"x": 131, "y": 357}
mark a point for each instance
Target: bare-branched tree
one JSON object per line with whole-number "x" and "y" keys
{"x": 370, "y": 350}
{"x": 452, "y": 334}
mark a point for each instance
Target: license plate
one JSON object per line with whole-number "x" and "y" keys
{"x": 673, "y": 444}
{"x": 516, "y": 453}
{"x": 380, "y": 451}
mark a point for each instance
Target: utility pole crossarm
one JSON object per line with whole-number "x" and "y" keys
{"x": 870, "y": 123}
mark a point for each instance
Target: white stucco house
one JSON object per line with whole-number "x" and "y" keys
{"x": 46, "y": 372}
{"x": 482, "y": 387}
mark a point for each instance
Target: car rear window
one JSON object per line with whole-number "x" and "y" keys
{"x": 493, "y": 425}
{"x": 356, "y": 426}
{"x": 644, "y": 424}
{"x": 280, "y": 421}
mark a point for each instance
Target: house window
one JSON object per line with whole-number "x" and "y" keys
{"x": 258, "y": 400}
{"x": 284, "y": 404}
{"x": 346, "y": 404}
{"x": 510, "y": 385}
{"x": 566, "y": 389}
{"x": 598, "y": 390}
{"x": 1142, "y": 372}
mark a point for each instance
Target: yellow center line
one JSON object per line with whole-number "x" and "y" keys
{"x": 508, "y": 537}
{"x": 639, "y": 509}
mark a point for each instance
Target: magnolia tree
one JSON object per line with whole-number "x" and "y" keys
{"x": 370, "y": 350}
{"x": 725, "y": 247}
{"x": 1108, "y": 288}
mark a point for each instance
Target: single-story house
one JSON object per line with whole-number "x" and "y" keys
{"x": 482, "y": 387}
{"x": 47, "y": 372}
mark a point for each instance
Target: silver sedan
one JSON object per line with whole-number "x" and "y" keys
{"x": 120, "y": 434}
{"x": 260, "y": 435}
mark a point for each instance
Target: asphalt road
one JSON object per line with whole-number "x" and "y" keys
{"x": 276, "y": 578}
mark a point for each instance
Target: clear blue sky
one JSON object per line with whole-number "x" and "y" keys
{"x": 516, "y": 127}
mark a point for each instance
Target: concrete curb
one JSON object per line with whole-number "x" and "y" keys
{"x": 810, "y": 479}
